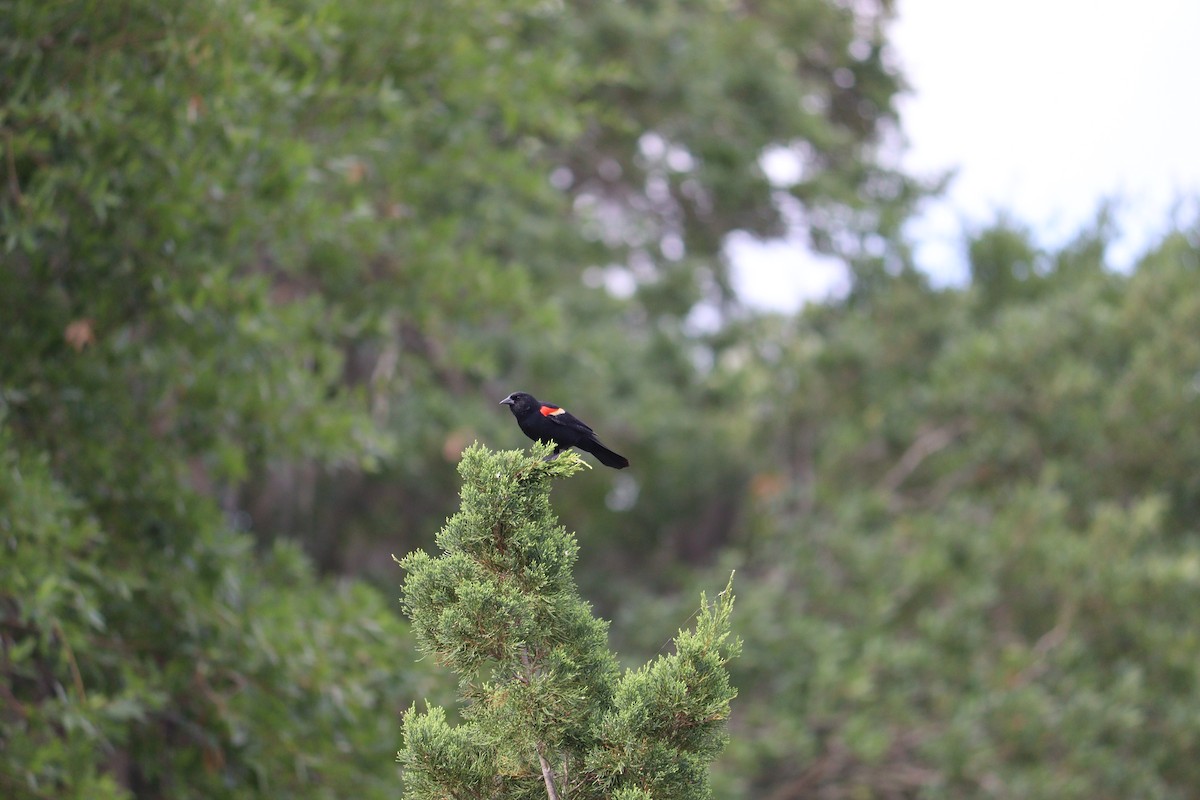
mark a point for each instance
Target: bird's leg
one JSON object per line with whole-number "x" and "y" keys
{"x": 558, "y": 451}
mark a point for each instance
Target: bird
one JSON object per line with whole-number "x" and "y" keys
{"x": 546, "y": 422}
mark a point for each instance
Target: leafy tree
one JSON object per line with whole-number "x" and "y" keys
{"x": 1005, "y": 265}
{"x": 263, "y": 263}
{"x": 542, "y": 156}
{"x": 175, "y": 663}
{"x": 981, "y": 579}
{"x": 245, "y": 245}
{"x": 160, "y": 344}
{"x": 695, "y": 95}
{"x": 547, "y": 711}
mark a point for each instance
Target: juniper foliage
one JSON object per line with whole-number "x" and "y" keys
{"x": 547, "y": 711}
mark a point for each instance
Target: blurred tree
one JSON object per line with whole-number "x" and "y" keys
{"x": 1005, "y": 266}
{"x": 176, "y": 312}
{"x": 700, "y": 100}
{"x": 168, "y": 662}
{"x": 255, "y": 251}
{"x": 978, "y": 576}
{"x": 269, "y": 267}
{"x": 709, "y": 119}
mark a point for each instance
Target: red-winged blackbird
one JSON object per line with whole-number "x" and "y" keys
{"x": 546, "y": 422}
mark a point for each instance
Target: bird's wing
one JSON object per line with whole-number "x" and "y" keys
{"x": 561, "y": 416}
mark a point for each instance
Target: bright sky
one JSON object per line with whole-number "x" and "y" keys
{"x": 1046, "y": 108}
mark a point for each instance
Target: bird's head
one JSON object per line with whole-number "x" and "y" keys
{"x": 520, "y": 403}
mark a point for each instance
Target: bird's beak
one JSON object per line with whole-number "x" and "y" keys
{"x": 508, "y": 401}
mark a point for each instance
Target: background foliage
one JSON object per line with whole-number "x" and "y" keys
{"x": 268, "y": 266}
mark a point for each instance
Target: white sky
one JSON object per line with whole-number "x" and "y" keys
{"x": 1046, "y": 108}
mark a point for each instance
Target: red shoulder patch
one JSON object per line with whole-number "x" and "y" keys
{"x": 552, "y": 411}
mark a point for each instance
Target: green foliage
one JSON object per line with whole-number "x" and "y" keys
{"x": 546, "y": 708}
{"x": 974, "y": 543}
{"x": 246, "y": 244}
{"x": 199, "y": 672}
{"x": 667, "y": 721}
{"x": 695, "y": 94}
{"x": 163, "y": 340}
{"x": 268, "y": 266}
{"x": 1005, "y": 266}
{"x": 941, "y": 648}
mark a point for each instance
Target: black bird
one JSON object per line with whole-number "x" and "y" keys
{"x": 546, "y": 422}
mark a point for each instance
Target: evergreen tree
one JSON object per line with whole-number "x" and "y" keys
{"x": 547, "y": 710}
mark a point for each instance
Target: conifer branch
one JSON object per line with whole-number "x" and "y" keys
{"x": 547, "y": 773}
{"x": 500, "y": 607}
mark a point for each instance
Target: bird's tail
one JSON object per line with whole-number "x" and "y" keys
{"x": 605, "y": 456}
